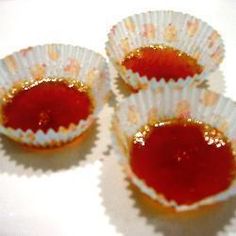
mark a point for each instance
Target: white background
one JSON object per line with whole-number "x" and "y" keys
{"x": 68, "y": 202}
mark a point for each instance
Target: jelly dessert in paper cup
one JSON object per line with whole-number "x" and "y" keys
{"x": 163, "y": 45}
{"x": 178, "y": 145}
{"x": 52, "y": 93}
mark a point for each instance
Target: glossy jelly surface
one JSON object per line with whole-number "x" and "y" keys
{"x": 47, "y": 104}
{"x": 183, "y": 160}
{"x": 162, "y": 62}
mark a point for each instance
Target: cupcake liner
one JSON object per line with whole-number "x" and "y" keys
{"x": 55, "y": 61}
{"x": 167, "y": 102}
{"x": 175, "y": 29}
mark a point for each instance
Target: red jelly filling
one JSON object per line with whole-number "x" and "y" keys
{"x": 162, "y": 62}
{"x": 185, "y": 161}
{"x": 47, "y": 105}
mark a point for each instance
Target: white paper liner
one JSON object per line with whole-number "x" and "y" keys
{"x": 175, "y": 29}
{"x": 55, "y": 61}
{"x": 165, "y": 103}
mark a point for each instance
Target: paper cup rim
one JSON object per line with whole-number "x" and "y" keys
{"x": 146, "y": 79}
{"x": 74, "y": 46}
{"x": 61, "y": 129}
{"x": 141, "y": 184}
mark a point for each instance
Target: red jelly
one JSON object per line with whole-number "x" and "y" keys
{"x": 183, "y": 160}
{"x": 162, "y": 62}
{"x": 48, "y": 104}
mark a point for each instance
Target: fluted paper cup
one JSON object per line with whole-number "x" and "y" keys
{"x": 174, "y": 29}
{"x": 55, "y": 61}
{"x": 166, "y": 103}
